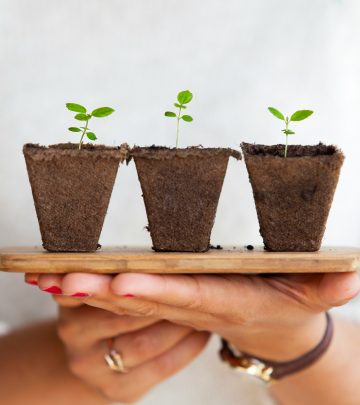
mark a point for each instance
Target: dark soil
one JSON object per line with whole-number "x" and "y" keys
{"x": 71, "y": 191}
{"x": 181, "y": 190}
{"x": 293, "y": 196}
{"x": 216, "y": 247}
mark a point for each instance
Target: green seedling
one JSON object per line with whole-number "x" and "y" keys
{"x": 82, "y": 115}
{"x": 184, "y": 97}
{"x": 297, "y": 116}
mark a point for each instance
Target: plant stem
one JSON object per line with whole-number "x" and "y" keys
{"x": 287, "y": 128}
{"x": 177, "y": 127}
{"x": 83, "y": 134}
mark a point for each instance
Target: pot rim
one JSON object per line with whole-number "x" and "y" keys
{"x": 37, "y": 151}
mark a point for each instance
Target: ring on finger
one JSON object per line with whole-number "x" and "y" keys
{"x": 114, "y": 359}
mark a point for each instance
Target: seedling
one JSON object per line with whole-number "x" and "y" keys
{"x": 184, "y": 97}
{"x": 297, "y": 116}
{"x": 82, "y": 115}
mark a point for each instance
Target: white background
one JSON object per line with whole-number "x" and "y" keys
{"x": 236, "y": 56}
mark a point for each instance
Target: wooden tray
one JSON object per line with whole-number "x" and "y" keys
{"x": 228, "y": 260}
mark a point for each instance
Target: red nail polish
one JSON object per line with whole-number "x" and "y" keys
{"x": 53, "y": 290}
{"x": 128, "y": 296}
{"x": 80, "y": 295}
{"x": 32, "y": 282}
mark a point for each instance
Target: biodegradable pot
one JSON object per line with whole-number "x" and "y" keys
{"x": 71, "y": 191}
{"x": 181, "y": 190}
{"x": 293, "y": 195}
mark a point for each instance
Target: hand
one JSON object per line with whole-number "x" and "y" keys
{"x": 152, "y": 350}
{"x": 278, "y": 317}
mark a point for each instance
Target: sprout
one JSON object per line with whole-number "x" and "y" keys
{"x": 83, "y": 116}
{"x": 297, "y": 116}
{"x": 184, "y": 97}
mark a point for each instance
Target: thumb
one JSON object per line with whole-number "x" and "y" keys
{"x": 336, "y": 289}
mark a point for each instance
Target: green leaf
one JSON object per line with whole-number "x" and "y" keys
{"x": 102, "y": 112}
{"x": 81, "y": 117}
{"x": 88, "y": 129}
{"x": 288, "y": 132}
{"x": 277, "y": 113}
{"x": 187, "y": 118}
{"x": 170, "y": 114}
{"x": 76, "y": 107}
{"x": 74, "y": 129}
{"x": 91, "y": 136}
{"x": 301, "y": 115}
{"x": 178, "y": 106}
{"x": 184, "y": 97}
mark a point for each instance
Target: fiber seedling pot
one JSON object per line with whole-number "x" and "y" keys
{"x": 181, "y": 190}
{"x": 293, "y": 195}
{"x": 71, "y": 191}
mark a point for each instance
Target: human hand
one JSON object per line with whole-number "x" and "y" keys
{"x": 278, "y": 317}
{"x": 151, "y": 350}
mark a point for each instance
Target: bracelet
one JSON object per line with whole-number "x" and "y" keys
{"x": 270, "y": 371}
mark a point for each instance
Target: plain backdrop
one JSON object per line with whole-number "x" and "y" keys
{"x": 237, "y": 57}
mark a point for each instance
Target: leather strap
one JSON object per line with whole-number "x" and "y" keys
{"x": 277, "y": 370}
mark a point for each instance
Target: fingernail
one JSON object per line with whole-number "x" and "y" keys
{"x": 53, "y": 290}
{"x": 80, "y": 295}
{"x": 32, "y": 282}
{"x": 128, "y": 296}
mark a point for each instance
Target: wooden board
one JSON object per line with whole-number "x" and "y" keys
{"x": 233, "y": 260}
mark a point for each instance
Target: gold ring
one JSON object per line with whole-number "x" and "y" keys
{"x": 115, "y": 361}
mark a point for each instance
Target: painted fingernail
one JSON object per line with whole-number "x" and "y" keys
{"x": 53, "y": 290}
{"x": 128, "y": 296}
{"x": 80, "y": 295}
{"x": 32, "y": 282}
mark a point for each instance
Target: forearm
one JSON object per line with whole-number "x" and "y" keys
{"x": 33, "y": 369}
{"x": 333, "y": 380}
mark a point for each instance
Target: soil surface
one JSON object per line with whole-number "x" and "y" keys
{"x": 71, "y": 191}
{"x": 162, "y": 152}
{"x": 181, "y": 190}
{"x": 293, "y": 196}
{"x": 293, "y": 150}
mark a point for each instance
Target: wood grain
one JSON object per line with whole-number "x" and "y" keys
{"x": 142, "y": 260}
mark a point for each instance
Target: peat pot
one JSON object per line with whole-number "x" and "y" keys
{"x": 181, "y": 190}
{"x": 72, "y": 190}
{"x": 293, "y": 195}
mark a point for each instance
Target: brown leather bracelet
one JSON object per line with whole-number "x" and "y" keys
{"x": 268, "y": 370}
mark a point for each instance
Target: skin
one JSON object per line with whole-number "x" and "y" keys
{"x": 275, "y": 317}
{"x": 34, "y": 367}
{"x": 71, "y": 369}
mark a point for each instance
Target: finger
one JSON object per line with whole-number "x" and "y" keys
{"x": 216, "y": 294}
{"x": 133, "y": 385}
{"x": 135, "y": 349}
{"x": 82, "y": 285}
{"x": 97, "y": 292}
{"x": 141, "y": 346}
{"x": 238, "y": 298}
{"x": 50, "y": 283}
{"x": 316, "y": 292}
{"x": 337, "y": 289}
{"x": 81, "y": 328}
{"x": 67, "y": 302}
{"x": 92, "y": 289}
{"x": 31, "y": 278}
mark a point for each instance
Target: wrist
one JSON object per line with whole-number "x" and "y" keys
{"x": 282, "y": 344}
{"x": 269, "y": 370}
